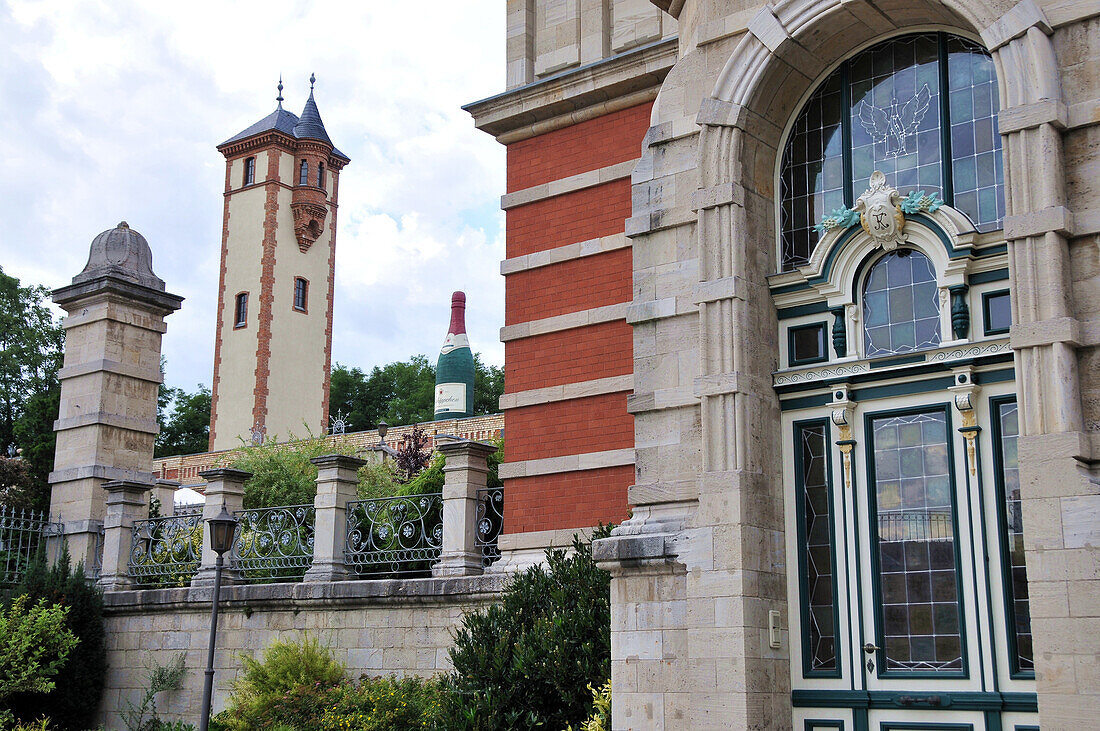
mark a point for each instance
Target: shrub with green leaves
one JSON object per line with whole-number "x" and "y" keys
{"x": 282, "y": 473}
{"x": 529, "y": 660}
{"x": 71, "y": 706}
{"x": 290, "y": 679}
{"x": 385, "y": 704}
{"x": 34, "y": 643}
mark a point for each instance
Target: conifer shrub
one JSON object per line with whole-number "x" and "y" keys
{"x": 71, "y": 705}
{"x": 529, "y": 661}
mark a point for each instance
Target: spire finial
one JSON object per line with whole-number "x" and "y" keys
{"x": 312, "y": 81}
{"x": 280, "y": 97}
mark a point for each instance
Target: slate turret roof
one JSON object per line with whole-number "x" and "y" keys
{"x": 307, "y": 127}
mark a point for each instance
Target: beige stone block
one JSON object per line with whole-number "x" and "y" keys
{"x": 1084, "y": 599}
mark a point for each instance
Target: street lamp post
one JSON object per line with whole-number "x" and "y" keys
{"x": 221, "y": 539}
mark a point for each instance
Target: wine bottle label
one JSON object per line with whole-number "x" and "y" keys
{"x": 450, "y": 397}
{"x": 453, "y": 342}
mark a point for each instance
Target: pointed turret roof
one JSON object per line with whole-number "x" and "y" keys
{"x": 307, "y": 127}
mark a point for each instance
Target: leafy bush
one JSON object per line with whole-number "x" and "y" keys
{"x": 282, "y": 474}
{"x": 382, "y": 704}
{"x": 600, "y": 718}
{"x": 34, "y": 643}
{"x": 292, "y": 678}
{"x": 71, "y": 706}
{"x": 529, "y": 660}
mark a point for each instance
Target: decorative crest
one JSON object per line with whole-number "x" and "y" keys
{"x": 879, "y": 213}
{"x": 312, "y": 81}
{"x": 258, "y": 433}
{"x": 893, "y": 126}
{"x": 339, "y": 423}
{"x": 280, "y": 97}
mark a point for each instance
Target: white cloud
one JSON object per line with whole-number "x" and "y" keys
{"x": 115, "y": 109}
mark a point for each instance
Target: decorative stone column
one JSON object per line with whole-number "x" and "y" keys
{"x": 108, "y": 416}
{"x": 466, "y": 472}
{"x": 127, "y": 502}
{"x": 224, "y": 487}
{"x": 337, "y": 480}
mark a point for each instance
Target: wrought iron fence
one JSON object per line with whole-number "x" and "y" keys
{"x": 394, "y": 535}
{"x": 489, "y": 519}
{"x": 915, "y": 526}
{"x": 21, "y": 534}
{"x": 165, "y": 551}
{"x": 274, "y": 544}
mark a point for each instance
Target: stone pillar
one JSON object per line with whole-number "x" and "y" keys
{"x": 466, "y": 472}
{"x": 224, "y": 487}
{"x": 337, "y": 483}
{"x": 165, "y": 492}
{"x": 108, "y": 416}
{"x": 127, "y": 501}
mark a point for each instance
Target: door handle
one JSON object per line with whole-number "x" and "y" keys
{"x": 871, "y": 649}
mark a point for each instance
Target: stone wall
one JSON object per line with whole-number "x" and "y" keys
{"x": 404, "y": 627}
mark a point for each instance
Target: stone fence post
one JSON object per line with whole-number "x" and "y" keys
{"x": 165, "y": 493}
{"x": 224, "y": 487}
{"x": 127, "y": 501}
{"x": 337, "y": 483}
{"x": 466, "y": 472}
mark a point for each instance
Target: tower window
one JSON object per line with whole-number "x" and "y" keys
{"x": 303, "y": 173}
{"x": 321, "y": 175}
{"x": 240, "y": 317}
{"x": 301, "y": 294}
{"x": 250, "y": 171}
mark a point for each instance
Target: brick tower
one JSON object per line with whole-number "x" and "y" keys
{"x": 274, "y": 335}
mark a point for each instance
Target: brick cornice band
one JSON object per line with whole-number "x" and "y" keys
{"x": 557, "y": 323}
{"x": 567, "y": 391}
{"x": 560, "y": 254}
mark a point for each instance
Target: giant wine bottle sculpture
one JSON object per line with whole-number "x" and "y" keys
{"x": 454, "y": 373}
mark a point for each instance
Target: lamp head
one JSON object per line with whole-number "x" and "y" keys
{"x": 221, "y": 531}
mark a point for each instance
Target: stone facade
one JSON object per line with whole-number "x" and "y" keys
{"x": 705, "y": 572}
{"x": 403, "y": 627}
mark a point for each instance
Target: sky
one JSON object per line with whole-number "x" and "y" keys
{"x": 112, "y": 111}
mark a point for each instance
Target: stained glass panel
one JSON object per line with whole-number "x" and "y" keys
{"x": 915, "y": 543}
{"x": 1019, "y": 608}
{"x": 815, "y": 537}
{"x": 900, "y": 304}
{"x": 895, "y": 117}
{"x": 812, "y": 182}
{"x": 884, "y": 109}
{"x": 977, "y": 169}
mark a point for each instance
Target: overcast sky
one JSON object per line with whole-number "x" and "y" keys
{"x": 112, "y": 111}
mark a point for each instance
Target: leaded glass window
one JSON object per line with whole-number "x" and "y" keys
{"x": 900, "y": 304}
{"x": 816, "y": 549}
{"x": 1007, "y": 432}
{"x": 915, "y": 544}
{"x": 883, "y": 109}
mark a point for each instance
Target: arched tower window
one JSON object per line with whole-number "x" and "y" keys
{"x": 303, "y": 173}
{"x": 250, "y": 171}
{"x": 321, "y": 175}
{"x": 901, "y": 312}
{"x": 904, "y": 107}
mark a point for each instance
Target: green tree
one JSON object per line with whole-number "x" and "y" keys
{"x": 403, "y": 392}
{"x": 187, "y": 429}
{"x": 31, "y": 350}
{"x": 488, "y": 386}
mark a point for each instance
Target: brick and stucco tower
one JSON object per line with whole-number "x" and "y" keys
{"x": 274, "y": 335}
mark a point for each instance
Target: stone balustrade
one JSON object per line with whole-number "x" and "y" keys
{"x": 457, "y": 552}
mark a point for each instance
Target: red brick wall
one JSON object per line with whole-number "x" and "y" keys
{"x": 590, "y": 145}
{"x": 569, "y": 500}
{"x": 592, "y": 424}
{"x": 569, "y": 356}
{"x": 567, "y": 219}
{"x": 572, "y": 286}
{"x": 582, "y": 498}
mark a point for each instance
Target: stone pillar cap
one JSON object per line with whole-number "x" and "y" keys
{"x": 225, "y": 473}
{"x": 123, "y": 253}
{"x": 331, "y": 460}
